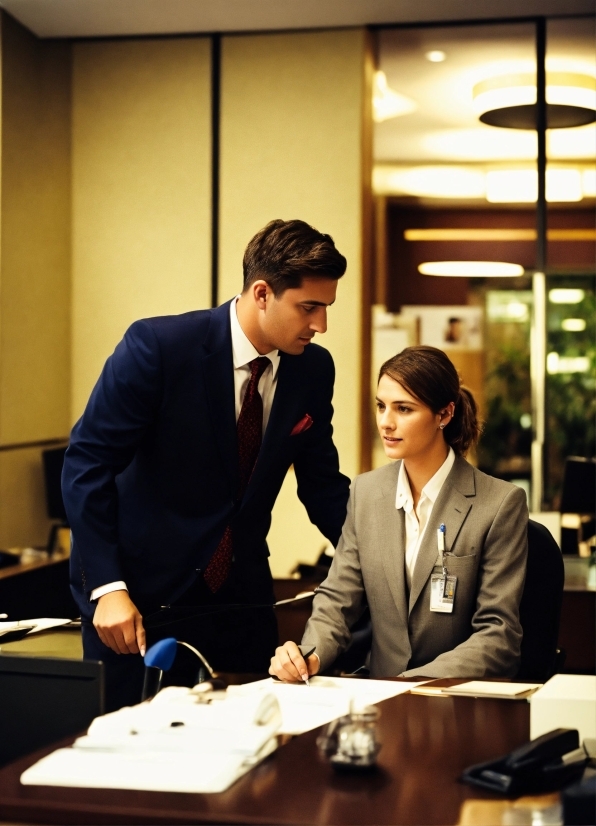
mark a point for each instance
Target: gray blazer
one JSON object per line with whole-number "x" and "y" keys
{"x": 486, "y": 547}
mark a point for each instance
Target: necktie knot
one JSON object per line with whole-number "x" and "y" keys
{"x": 258, "y": 367}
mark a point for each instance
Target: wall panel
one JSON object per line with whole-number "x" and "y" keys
{"x": 141, "y": 190}
{"x": 35, "y": 237}
{"x": 292, "y": 147}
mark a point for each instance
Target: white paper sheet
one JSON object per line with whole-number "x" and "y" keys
{"x": 200, "y": 772}
{"x": 482, "y": 688}
{"x": 40, "y": 624}
{"x": 326, "y": 698}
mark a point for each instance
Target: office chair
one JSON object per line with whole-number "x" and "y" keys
{"x": 540, "y": 607}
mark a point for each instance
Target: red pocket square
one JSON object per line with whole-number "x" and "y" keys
{"x": 302, "y": 425}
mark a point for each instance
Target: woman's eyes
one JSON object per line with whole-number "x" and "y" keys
{"x": 401, "y": 408}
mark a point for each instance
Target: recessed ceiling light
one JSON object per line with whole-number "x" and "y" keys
{"x": 573, "y": 325}
{"x": 566, "y": 296}
{"x": 435, "y": 56}
{"x": 471, "y": 269}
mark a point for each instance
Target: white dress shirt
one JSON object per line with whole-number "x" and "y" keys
{"x": 417, "y": 518}
{"x": 243, "y": 352}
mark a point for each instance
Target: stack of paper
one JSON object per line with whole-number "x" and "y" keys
{"x": 173, "y": 743}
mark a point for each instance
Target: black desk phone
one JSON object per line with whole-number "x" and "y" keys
{"x": 545, "y": 764}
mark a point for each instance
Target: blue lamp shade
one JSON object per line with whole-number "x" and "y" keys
{"x": 162, "y": 654}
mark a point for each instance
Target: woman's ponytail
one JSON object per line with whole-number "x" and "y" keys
{"x": 463, "y": 431}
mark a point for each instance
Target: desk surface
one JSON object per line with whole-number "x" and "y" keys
{"x": 427, "y": 742}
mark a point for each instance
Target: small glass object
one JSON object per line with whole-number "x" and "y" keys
{"x": 350, "y": 743}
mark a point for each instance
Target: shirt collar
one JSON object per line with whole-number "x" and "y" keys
{"x": 431, "y": 490}
{"x": 243, "y": 351}
{"x": 404, "y": 497}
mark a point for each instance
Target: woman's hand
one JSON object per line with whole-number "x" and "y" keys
{"x": 289, "y": 666}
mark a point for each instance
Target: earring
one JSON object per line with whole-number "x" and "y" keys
{"x": 441, "y": 426}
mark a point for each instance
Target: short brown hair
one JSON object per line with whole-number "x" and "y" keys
{"x": 283, "y": 252}
{"x": 429, "y": 375}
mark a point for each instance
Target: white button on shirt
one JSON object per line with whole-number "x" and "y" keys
{"x": 417, "y": 519}
{"x": 243, "y": 352}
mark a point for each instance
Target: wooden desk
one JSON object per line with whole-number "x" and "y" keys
{"x": 427, "y": 742}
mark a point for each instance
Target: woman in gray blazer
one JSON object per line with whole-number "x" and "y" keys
{"x": 435, "y": 548}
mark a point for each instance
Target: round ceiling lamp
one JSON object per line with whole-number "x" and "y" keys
{"x": 471, "y": 269}
{"x": 509, "y": 101}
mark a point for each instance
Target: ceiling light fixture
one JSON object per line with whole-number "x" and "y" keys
{"x": 387, "y": 103}
{"x": 471, "y": 269}
{"x": 429, "y": 181}
{"x": 509, "y": 186}
{"x": 573, "y": 325}
{"x": 435, "y": 56}
{"x": 566, "y": 364}
{"x": 589, "y": 183}
{"x": 566, "y": 296}
{"x": 510, "y": 100}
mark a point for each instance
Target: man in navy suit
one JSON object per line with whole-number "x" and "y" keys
{"x": 166, "y": 520}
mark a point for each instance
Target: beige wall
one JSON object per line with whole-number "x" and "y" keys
{"x": 139, "y": 214}
{"x": 141, "y": 191}
{"x": 292, "y": 147}
{"x": 35, "y": 238}
{"x": 34, "y": 272}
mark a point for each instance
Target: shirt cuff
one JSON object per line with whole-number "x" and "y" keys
{"x": 96, "y": 593}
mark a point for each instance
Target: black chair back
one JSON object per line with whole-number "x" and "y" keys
{"x": 540, "y": 607}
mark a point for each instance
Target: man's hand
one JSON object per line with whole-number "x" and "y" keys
{"x": 288, "y": 664}
{"x": 119, "y": 624}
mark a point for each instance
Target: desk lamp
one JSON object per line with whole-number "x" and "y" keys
{"x": 160, "y": 657}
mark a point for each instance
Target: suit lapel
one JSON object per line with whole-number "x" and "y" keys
{"x": 218, "y": 370}
{"x": 451, "y": 508}
{"x": 391, "y": 530}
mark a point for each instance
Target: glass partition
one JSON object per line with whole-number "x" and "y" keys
{"x": 456, "y": 185}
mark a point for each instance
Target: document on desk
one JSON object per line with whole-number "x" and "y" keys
{"x": 38, "y": 624}
{"x": 307, "y": 707}
{"x": 177, "y": 742}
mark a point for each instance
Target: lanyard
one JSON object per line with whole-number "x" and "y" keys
{"x": 441, "y": 546}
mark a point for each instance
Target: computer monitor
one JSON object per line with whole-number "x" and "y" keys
{"x": 43, "y": 700}
{"x": 579, "y": 486}
{"x": 53, "y": 460}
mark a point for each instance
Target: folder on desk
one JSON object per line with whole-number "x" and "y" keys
{"x": 175, "y": 743}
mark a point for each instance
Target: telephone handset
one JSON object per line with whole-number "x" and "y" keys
{"x": 545, "y": 764}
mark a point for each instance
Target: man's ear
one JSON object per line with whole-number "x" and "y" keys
{"x": 261, "y": 293}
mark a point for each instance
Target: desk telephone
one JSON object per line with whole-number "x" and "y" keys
{"x": 545, "y": 764}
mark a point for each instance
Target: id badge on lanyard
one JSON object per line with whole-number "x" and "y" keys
{"x": 443, "y": 585}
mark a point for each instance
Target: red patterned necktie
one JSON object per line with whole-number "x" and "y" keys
{"x": 250, "y": 434}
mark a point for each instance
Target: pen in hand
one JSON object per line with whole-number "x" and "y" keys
{"x": 306, "y": 651}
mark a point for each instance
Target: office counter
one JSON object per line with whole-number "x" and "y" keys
{"x": 427, "y": 742}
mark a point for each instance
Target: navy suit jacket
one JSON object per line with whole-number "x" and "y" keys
{"x": 151, "y": 473}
